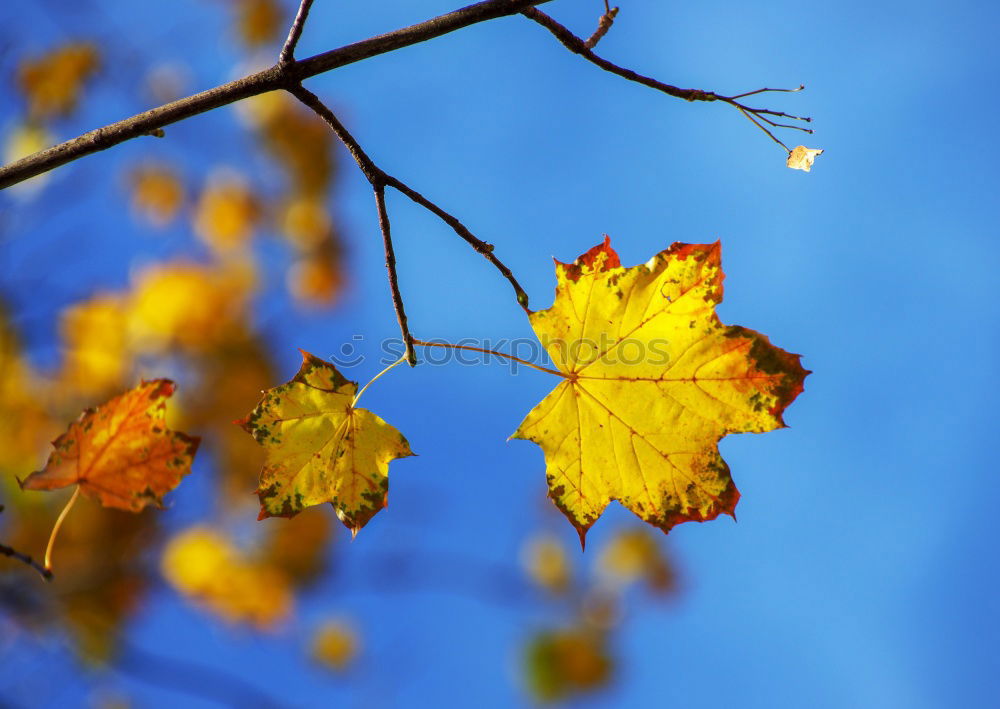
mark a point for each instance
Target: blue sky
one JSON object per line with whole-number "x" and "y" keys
{"x": 862, "y": 568}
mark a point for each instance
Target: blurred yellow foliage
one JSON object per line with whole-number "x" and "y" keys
{"x": 635, "y": 555}
{"x": 306, "y": 223}
{"x": 259, "y": 21}
{"x": 226, "y": 214}
{"x": 186, "y": 304}
{"x": 298, "y": 546}
{"x": 301, "y": 142}
{"x": 96, "y": 355}
{"x": 334, "y": 645}
{"x": 25, "y": 426}
{"x": 51, "y": 84}
{"x": 544, "y": 558}
{"x": 232, "y": 373}
{"x": 100, "y": 578}
{"x": 562, "y": 663}
{"x": 157, "y": 193}
{"x": 26, "y": 139}
{"x": 315, "y": 279}
{"x": 203, "y": 564}
{"x": 257, "y": 111}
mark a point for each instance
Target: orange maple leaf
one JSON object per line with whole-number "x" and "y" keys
{"x": 120, "y": 453}
{"x": 652, "y": 381}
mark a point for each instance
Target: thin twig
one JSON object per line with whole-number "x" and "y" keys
{"x": 26, "y": 559}
{"x": 760, "y": 125}
{"x": 277, "y": 77}
{"x": 760, "y": 91}
{"x": 376, "y": 176}
{"x": 390, "y": 267}
{"x": 579, "y": 46}
{"x": 478, "y": 244}
{"x": 371, "y": 171}
{"x": 603, "y": 25}
{"x": 287, "y": 54}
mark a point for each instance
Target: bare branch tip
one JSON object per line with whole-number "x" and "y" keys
{"x": 287, "y": 55}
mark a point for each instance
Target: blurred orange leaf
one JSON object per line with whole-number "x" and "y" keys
{"x": 544, "y": 558}
{"x": 52, "y": 83}
{"x": 157, "y": 193}
{"x": 226, "y": 214}
{"x": 121, "y": 453}
{"x": 316, "y": 279}
{"x": 259, "y": 21}
{"x": 562, "y": 663}
{"x": 334, "y": 645}
{"x": 634, "y": 554}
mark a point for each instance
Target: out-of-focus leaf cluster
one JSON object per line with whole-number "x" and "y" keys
{"x": 189, "y": 315}
{"x": 577, "y": 657}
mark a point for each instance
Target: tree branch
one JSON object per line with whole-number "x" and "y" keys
{"x": 279, "y": 76}
{"x": 603, "y": 25}
{"x": 287, "y": 54}
{"x": 390, "y": 266}
{"x": 25, "y": 559}
{"x": 484, "y": 248}
{"x": 379, "y": 178}
{"x": 583, "y": 48}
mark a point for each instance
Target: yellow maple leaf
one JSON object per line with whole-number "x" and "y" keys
{"x": 652, "y": 381}
{"x": 801, "y": 158}
{"x": 320, "y": 448}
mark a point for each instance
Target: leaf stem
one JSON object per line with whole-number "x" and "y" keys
{"x": 372, "y": 380}
{"x": 55, "y": 529}
{"x": 526, "y": 363}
